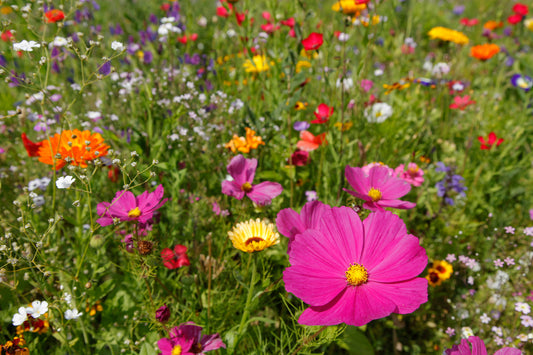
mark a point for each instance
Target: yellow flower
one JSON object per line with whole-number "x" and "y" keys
{"x": 343, "y": 127}
{"x": 253, "y": 235}
{"x": 446, "y": 34}
{"x": 529, "y": 23}
{"x": 440, "y": 271}
{"x": 243, "y": 144}
{"x": 396, "y": 86}
{"x": 6, "y": 10}
{"x": 300, "y": 106}
{"x": 348, "y": 7}
{"x": 259, "y": 63}
{"x": 302, "y": 64}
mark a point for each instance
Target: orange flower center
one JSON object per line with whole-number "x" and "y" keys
{"x": 246, "y": 187}
{"x": 356, "y": 275}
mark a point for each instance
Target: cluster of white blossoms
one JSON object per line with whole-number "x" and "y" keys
{"x": 36, "y": 310}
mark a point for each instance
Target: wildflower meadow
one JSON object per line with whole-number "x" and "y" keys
{"x": 266, "y": 177}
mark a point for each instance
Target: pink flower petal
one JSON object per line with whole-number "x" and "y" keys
{"x": 231, "y": 188}
{"x": 264, "y": 192}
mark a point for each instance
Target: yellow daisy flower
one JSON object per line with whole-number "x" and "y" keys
{"x": 253, "y": 235}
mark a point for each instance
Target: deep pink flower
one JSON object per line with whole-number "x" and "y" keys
{"x": 413, "y": 175}
{"x": 201, "y": 344}
{"x": 299, "y": 158}
{"x": 367, "y": 85}
{"x": 176, "y": 344}
{"x": 176, "y": 258}
{"x": 126, "y": 207}
{"x": 353, "y": 272}
{"x": 242, "y": 171}
{"x": 492, "y": 139}
{"x": 290, "y": 223}
{"x": 478, "y": 348}
{"x": 290, "y": 22}
{"x": 313, "y": 41}
{"x": 162, "y": 314}
{"x": 461, "y": 102}
{"x": 322, "y": 113}
{"x": 379, "y": 188}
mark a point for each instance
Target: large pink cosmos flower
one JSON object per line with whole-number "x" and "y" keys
{"x": 353, "y": 272}
{"x": 290, "y": 223}
{"x": 126, "y": 207}
{"x": 242, "y": 171}
{"x": 478, "y": 348}
{"x": 379, "y": 188}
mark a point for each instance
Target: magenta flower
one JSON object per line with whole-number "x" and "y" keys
{"x": 413, "y": 175}
{"x": 478, "y": 348}
{"x": 353, "y": 272}
{"x": 379, "y": 188}
{"x": 290, "y": 223}
{"x": 126, "y": 207}
{"x": 242, "y": 171}
{"x": 187, "y": 339}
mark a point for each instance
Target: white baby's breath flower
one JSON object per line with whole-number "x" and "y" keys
{"x": 117, "y": 46}
{"x": 72, "y": 314}
{"x": 64, "y": 182}
{"x": 37, "y": 308}
{"x": 26, "y": 46}
{"x": 20, "y": 317}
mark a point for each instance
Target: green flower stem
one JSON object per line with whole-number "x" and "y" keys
{"x": 246, "y": 312}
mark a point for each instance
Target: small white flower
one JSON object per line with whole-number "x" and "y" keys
{"x": 440, "y": 69}
{"x": 37, "y": 308}
{"x": 72, "y": 314}
{"x": 64, "y": 182}
{"x": 466, "y": 332}
{"x": 26, "y": 46}
{"x": 522, "y": 307}
{"x": 484, "y": 318}
{"x": 117, "y": 46}
{"x": 378, "y": 112}
{"x": 59, "y": 42}
{"x": 20, "y": 317}
{"x": 343, "y": 37}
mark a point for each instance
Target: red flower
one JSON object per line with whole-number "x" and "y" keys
{"x": 322, "y": 113}
{"x": 299, "y": 158}
{"x": 176, "y": 258}
{"x": 113, "y": 173}
{"x": 193, "y": 37}
{"x": 514, "y": 19}
{"x": 165, "y": 7}
{"x": 183, "y": 39}
{"x": 222, "y": 11}
{"x": 6, "y": 36}
{"x": 462, "y": 102}
{"x": 313, "y": 41}
{"x": 309, "y": 142}
{"x": 31, "y": 147}
{"x": 240, "y": 17}
{"x": 267, "y": 16}
{"x": 361, "y": 2}
{"x": 520, "y": 9}
{"x": 492, "y": 139}
{"x": 54, "y": 15}
{"x": 269, "y": 27}
{"x": 289, "y": 22}
{"x": 469, "y": 22}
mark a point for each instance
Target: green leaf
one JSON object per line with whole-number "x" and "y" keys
{"x": 355, "y": 342}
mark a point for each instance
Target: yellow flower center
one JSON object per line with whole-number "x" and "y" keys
{"x": 176, "y": 350}
{"x": 136, "y": 212}
{"x": 356, "y": 275}
{"x": 374, "y": 194}
{"x": 246, "y": 187}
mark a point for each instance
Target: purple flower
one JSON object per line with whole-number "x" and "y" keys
{"x": 379, "y": 188}
{"x": 242, "y": 171}
{"x": 523, "y": 82}
{"x": 301, "y": 125}
{"x": 458, "y": 10}
{"x": 126, "y": 207}
{"x": 105, "y": 69}
{"x": 148, "y": 57}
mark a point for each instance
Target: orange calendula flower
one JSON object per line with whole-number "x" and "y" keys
{"x": 438, "y": 272}
{"x": 449, "y": 35}
{"x": 492, "y": 25}
{"x": 54, "y": 15}
{"x": 70, "y": 147}
{"x": 97, "y": 307}
{"x": 244, "y": 144}
{"x": 484, "y": 51}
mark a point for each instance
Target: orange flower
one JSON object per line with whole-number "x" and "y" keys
{"x": 243, "y": 144}
{"x": 310, "y": 142}
{"x": 492, "y": 25}
{"x": 73, "y": 147}
{"x": 54, "y": 15}
{"x": 484, "y": 51}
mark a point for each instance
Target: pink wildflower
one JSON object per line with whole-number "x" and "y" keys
{"x": 461, "y": 102}
{"x": 187, "y": 339}
{"x": 379, "y": 189}
{"x": 126, "y": 207}
{"x": 290, "y": 223}
{"x": 366, "y": 85}
{"x": 353, "y": 272}
{"x": 413, "y": 175}
{"x": 478, "y": 348}
{"x": 367, "y": 167}
{"x": 242, "y": 171}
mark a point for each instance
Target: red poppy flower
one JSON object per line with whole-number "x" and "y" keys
{"x": 469, "y": 22}
{"x": 269, "y": 27}
{"x": 31, "y": 147}
{"x": 492, "y": 139}
{"x": 176, "y": 258}
{"x": 165, "y": 7}
{"x": 289, "y": 22}
{"x": 6, "y": 36}
{"x": 193, "y": 37}
{"x": 308, "y": 142}
{"x": 520, "y": 9}
{"x": 514, "y": 19}
{"x": 322, "y": 113}
{"x": 313, "y": 41}
{"x": 183, "y": 39}
{"x": 54, "y": 15}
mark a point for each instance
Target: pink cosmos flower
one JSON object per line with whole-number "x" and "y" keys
{"x": 290, "y": 223}
{"x": 176, "y": 258}
{"x": 187, "y": 339}
{"x": 322, "y": 113}
{"x": 353, "y": 272}
{"x": 126, "y": 207}
{"x": 478, "y": 348}
{"x": 379, "y": 188}
{"x": 242, "y": 171}
{"x": 367, "y": 167}
{"x": 367, "y": 85}
{"x": 413, "y": 175}
{"x": 461, "y": 102}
